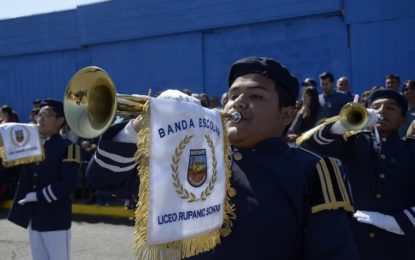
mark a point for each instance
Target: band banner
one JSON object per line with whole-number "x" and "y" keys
{"x": 184, "y": 175}
{"x": 20, "y": 144}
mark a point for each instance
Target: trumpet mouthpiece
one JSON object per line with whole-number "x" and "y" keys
{"x": 379, "y": 117}
{"x": 234, "y": 116}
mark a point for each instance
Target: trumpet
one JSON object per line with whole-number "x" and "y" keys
{"x": 91, "y": 103}
{"x": 355, "y": 116}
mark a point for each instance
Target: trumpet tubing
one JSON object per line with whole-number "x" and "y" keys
{"x": 91, "y": 103}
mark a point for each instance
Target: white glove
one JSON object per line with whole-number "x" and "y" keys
{"x": 379, "y": 220}
{"x": 373, "y": 117}
{"x": 30, "y": 197}
{"x": 337, "y": 128}
{"x": 173, "y": 94}
{"x": 129, "y": 133}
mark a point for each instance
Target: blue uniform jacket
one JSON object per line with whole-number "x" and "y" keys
{"x": 53, "y": 180}
{"x": 381, "y": 180}
{"x": 282, "y": 210}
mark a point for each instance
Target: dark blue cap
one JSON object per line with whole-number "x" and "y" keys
{"x": 266, "y": 67}
{"x": 390, "y": 94}
{"x": 309, "y": 82}
{"x": 55, "y": 104}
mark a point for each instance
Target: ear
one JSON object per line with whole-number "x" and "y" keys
{"x": 61, "y": 121}
{"x": 402, "y": 121}
{"x": 287, "y": 115}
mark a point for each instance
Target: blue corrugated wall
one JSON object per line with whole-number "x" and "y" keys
{"x": 161, "y": 44}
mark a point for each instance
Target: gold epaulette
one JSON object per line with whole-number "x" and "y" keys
{"x": 351, "y": 133}
{"x": 74, "y": 154}
{"x": 333, "y": 193}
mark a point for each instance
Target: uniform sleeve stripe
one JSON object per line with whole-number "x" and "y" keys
{"x": 70, "y": 151}
{"x": 319, "y": 138}
{"x": 328, "y": 180}
{"x": 343, "y": 190}
{"x": 410, "y": 217}
{"x": 113, "y": 167}
{"x": 46, "y": 195}
{"x": 323, "y": 183}
{"x": 51, "y": 192}
{"x": 116, "y": 157}
{"x": 77, "y": 153}
{"x": 412, "y": 210}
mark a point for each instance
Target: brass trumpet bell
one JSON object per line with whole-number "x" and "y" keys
{"x": 91, "y": 102}
{"x": 354, "y": 116}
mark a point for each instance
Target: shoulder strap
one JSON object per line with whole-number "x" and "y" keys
{"x": 73, "y": 154}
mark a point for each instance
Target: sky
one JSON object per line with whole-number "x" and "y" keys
{"x": 19, "y": 8}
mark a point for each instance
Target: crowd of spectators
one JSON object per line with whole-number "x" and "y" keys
{"x": 311, "y": 109}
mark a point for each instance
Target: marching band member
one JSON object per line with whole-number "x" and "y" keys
{"x": 42, "y": 202}
{"x": 381, "y": 173}
{"x": 290, "y": 203}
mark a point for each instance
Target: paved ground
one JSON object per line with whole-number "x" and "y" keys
{"x": 92, "y": 238}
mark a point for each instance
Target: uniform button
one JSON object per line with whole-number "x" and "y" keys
{"x": 383, "y": 139}
{"x": 383, "y": 157}
{"x": 378, "y": 196}
{"x": 382, "y": 176}
{"x": 34, "y": 186}
{"x": 237, "y": 156}
{"x": 35, "y": 174}
{"x": 371, "y": 235}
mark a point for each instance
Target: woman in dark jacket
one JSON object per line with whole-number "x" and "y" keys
{"x": 307, "y": 115}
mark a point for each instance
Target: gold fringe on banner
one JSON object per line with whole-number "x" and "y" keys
{"x": 182, "y": 248}
{"x": 26, "y": 160}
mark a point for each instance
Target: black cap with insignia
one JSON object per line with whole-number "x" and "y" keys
{"x": 390, "y": 94}
{"x": 266, "y": 67}
{"x": 55, "y": 104}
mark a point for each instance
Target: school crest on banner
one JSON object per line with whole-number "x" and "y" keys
{"x": 184, "y": 171}
{"x": 197, "y": 170}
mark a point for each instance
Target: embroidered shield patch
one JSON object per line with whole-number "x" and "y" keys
{"x": 197, "y": 170}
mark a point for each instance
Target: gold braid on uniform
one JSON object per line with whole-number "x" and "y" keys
{"x": 74, "y": 154}
{"x": 308, "y": 134}
{"x": 332, "y": 193}
{"x": 181, "y": 248}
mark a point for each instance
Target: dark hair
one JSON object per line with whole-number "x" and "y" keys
{"x": 408, "y": 84}
{"x": 14, "y": 118}
{"x": 187, "y": 91}
{"x": 310, "y": 120}
{"x": 204, "y": 99}
{"x": 365, "y": 95}
{"x": 393, "y": 76}
{"x": 7, "y": 110}
{"x": 224, "y": 99}
{"x": 327, "y": 75}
